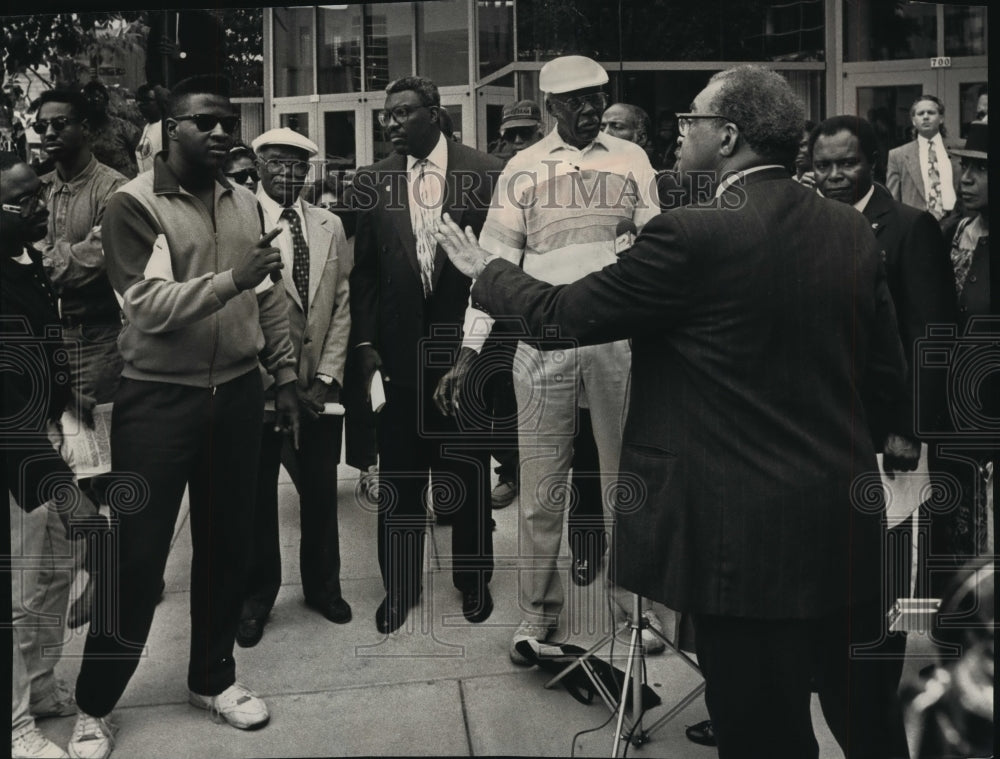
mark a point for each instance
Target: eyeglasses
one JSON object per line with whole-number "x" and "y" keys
{"x": 399, "y": 114}
{"x": 41, "y": 126}
{"x": 241, "y": 176}
{"x": 26, "y": 205}
{"x": 205, "y": 122}
{"x": 596, "y": 100}
{"x": 299, "y": 169}
{"x": 685, "y": 120}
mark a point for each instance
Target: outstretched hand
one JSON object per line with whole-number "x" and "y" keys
{"x": 462, "y": 247}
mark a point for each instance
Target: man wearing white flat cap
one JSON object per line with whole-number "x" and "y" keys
{"x": 316, "y": 264}
{"x": 557, "y": 211}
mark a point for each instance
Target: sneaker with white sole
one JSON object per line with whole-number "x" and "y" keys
{"x": 652, "y": 643}
{"x": 237, "y": 705}
{"x": 58, "y": 702}
{"x": 93, "y": 737}
{"x": 526, "y": 631}
{"x": 31, "y": 744}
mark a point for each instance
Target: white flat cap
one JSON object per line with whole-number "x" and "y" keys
{"x": 569, "y": 73}
{"x": 285, "y": 136}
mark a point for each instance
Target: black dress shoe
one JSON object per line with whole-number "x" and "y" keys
{"x": 391, "y": 614}
{"x": 337, "y": 610}
{"x": 477, "y": 605}
{"x": 701, "y": 733}
{"x": 249, "y": 632}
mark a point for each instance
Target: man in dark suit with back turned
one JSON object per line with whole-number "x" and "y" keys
{"x": 761, "y": 330}
{"x": 404, "y": 290}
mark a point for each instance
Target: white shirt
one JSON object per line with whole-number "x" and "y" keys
{"x": 943, "y": 167}
{"x": 556, "y": 207}
{"x": 862, "y": 203}
{"x": 283, "y": 242}
{"x": 149, "y": 145}
{"x": 437, "y": 168}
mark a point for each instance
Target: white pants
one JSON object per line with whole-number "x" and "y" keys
{"x": 42, "y": 568}
{"x": 550, "y": 386}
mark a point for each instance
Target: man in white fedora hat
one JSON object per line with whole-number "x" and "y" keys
{"x": 316, "y": 264}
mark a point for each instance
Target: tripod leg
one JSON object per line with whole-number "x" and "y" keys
{"x": 635, "y": 642}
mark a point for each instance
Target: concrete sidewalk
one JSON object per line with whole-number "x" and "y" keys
{"x": 439, "y": 686}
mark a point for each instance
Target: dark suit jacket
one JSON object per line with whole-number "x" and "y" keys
{"x": 921, "y": 281}
{"x": 388, "y": 308}
{"x": 758, "y": 327}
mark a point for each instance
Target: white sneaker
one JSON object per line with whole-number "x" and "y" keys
{"x": 526, "y": 631}
{"x": 237, "y": 705}
{"x": 652, "y": 643}
{"x": 33, "y": 744}
{"x": 58, "y": 702}
{"x": 93, "y": 737}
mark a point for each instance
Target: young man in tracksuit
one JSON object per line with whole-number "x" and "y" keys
{"x": 187, "y": 259}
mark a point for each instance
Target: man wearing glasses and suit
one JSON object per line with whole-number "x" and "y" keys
{"x": 404, "y": 291}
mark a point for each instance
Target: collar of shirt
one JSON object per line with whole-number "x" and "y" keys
{"x": 24, "y": 259}
{"x": 553, "y": 143}
{"x": 272, "y": 213}
{"x": 730, "y": 179}
{"x": 58, "y": 183}
{"x": 862, "y": 203}
{"x": 438, "y": 157}
{"x": 936, "y": 139}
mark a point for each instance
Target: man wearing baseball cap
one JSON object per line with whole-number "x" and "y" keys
{"x": 520, "y": 127}
{"x": 316, "y": 264}
{"x": 556, "y": 210}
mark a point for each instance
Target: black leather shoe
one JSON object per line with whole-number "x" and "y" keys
{"x": 701, "y": 733}
{"x": 477, "y": 606}
{"x": 337, "y": 610}
{"x": 391, "y": 614}
{"x": 249, "y": 632}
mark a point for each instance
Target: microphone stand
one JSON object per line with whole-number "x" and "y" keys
{"x": 635, "y": 669}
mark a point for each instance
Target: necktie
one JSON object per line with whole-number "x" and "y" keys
{"x": 935, "y": 202}
{"x": 300, "y": 260}
{"x": 426, "y": 219}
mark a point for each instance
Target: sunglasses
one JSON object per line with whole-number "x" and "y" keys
{"x": 205, "y": 122}
{"x": 41, "y": 126}
{"x": 241, "y": 176}
{"x": 25, "y": 206}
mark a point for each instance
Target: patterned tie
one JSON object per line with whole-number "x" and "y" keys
{"x": 935, "y": 202}
{"x": 300, "y": 262}
{"x": 426, "y": 221}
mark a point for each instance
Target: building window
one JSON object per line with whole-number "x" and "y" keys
{"x": 388, "y": 43}
{"x": 293, "y": 51}
{"x": 442, "y": 33}
{"x": 339, "y": 49}
{"x": 964, "y": 30}
{"x": 876, "y": 30}
{"x": 678, "y": 30}
{"x": 496, "y": 35}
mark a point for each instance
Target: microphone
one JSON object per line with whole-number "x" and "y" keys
{"x": 625, "y": 234}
